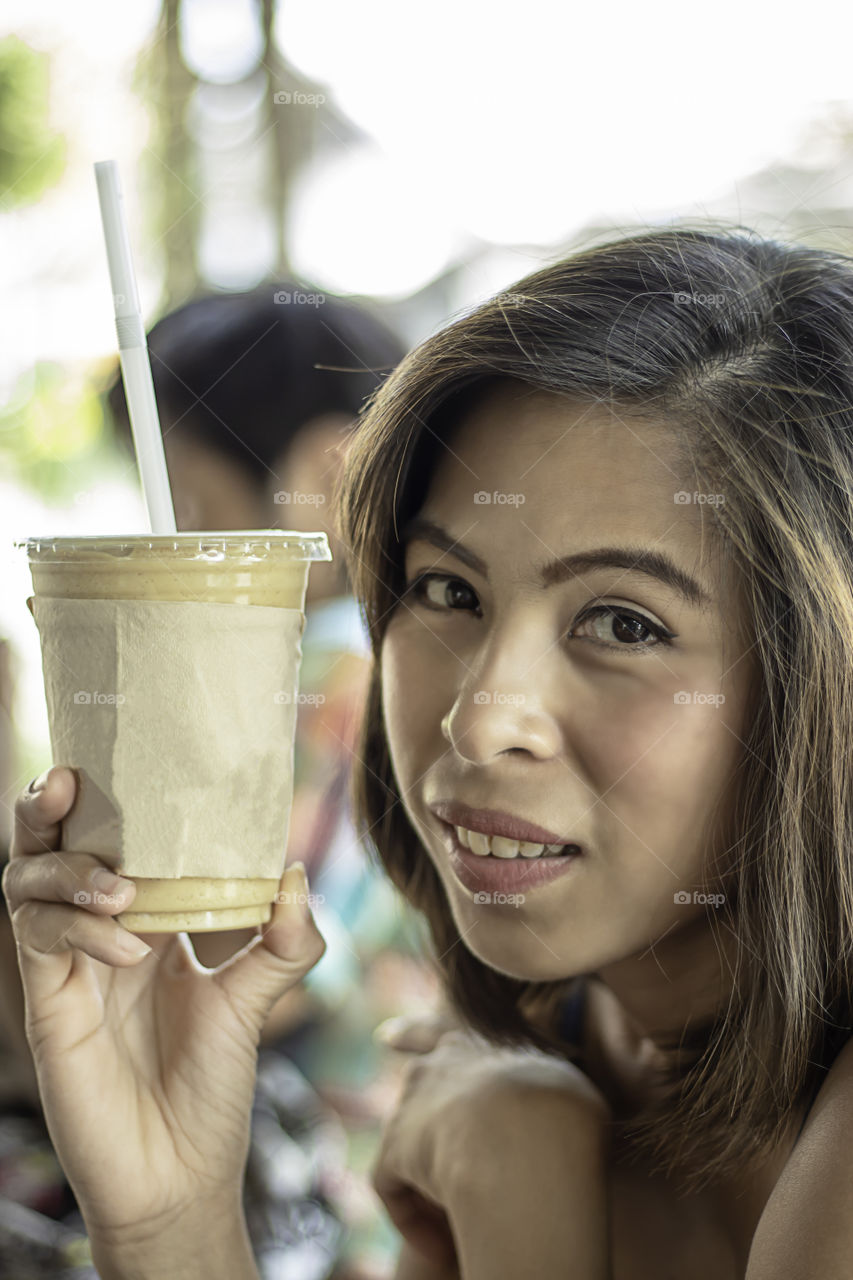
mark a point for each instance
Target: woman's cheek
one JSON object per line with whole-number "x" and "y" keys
{"x": 662, "y": 767}
{"x": 410, "y": 697}
{"x": 613, "y": 726}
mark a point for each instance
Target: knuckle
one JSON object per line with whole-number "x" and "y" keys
{"x": 414, "y": 1069}
{"x": 314, "y": 950}
{"x": 8, "y": 880}
{"x": 455, "y": 1038}
{"x": 22, "y": 802}
{"x": 79, "y": 895}
{"x": 27, "y": 798}
{"x": 24, "y": 914}
{"x": 576, "y": 1097}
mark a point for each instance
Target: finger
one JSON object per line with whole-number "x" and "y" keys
{"x": 420, "y": 1221}
{"x": 39, "y": 813}
{"x": 59, "y": 876}
{"x": 289, "y": 945}
{"x": 413, "y": 1035}
{"x": 45, "y": 931}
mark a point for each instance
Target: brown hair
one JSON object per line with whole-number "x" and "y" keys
{"x": 745, "y": 346}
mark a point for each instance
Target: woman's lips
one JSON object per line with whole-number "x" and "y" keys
{"x": 491, "y": 875}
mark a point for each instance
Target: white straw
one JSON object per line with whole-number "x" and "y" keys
{"x": 133, "y": 354}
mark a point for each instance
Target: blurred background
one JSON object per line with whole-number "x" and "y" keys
{"x": 422, "y": 159}
{"x": 413, "y": 159}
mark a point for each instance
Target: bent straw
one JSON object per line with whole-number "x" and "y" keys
{"x": 133, "y": 354}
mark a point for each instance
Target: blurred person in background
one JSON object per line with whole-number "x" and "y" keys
{"x": 257, "y": 394}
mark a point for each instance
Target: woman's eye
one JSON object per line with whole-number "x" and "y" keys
{"x": 627, "y": 628}
{"x": 442, "y": 591}
{"x": 615, "y": 628}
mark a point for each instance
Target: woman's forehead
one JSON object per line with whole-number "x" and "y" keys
{"x": 510, "y": 421}
{"x": 529, "y": 477}
{"x": 554, "y": 454}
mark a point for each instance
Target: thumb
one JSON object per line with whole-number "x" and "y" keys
{"x": 289, "y": 945}
{"x": 414, "y": 1034}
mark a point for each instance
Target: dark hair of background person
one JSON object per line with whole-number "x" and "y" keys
{"x": 745, "y": 347}
{"x": 241, "y": 373}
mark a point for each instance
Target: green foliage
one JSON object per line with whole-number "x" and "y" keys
{"x": 52, "y": 432}
{"x": 32, "y": 155}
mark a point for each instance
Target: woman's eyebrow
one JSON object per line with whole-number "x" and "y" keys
{"x": 637, "y": 560}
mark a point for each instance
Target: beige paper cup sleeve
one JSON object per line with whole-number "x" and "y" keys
{"x": 179, "y": 718}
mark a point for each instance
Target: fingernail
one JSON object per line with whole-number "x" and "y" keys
{"x": 39, "y": 783}
{"x": 295, "y": 896}
{"x": 388, "y": 1030}
{"x": 108, "y": 882}
{"x": 131, "y": 944}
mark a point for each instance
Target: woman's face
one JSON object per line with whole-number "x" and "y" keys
{"x": 505, "y": 693}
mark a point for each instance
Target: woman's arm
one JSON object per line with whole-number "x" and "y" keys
{"x": 412, "y": 1265}
{"x": 145, "y": 1063}
{"x": 209, "y": 1242}
{"x": 496, "y": 1161}
{"x": 535, "y": 1199}
{"x": 806, "y": 1229}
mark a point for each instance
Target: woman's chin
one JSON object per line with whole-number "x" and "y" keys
{"x": 512, "y": 949}
{"x": 521, "y": 963}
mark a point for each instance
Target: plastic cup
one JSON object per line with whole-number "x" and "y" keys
{"x": 242, "y": 568}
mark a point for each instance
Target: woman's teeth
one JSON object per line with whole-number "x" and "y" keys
{"x": 500, "y": 847}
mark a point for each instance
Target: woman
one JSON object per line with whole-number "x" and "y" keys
{"x": 601, "y": 530}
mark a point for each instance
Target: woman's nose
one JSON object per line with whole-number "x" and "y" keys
{"x": 510, "y": 703}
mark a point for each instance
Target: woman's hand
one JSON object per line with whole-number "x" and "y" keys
{"x": 145, "y": 1060}
{"x": 489, "y": 1148}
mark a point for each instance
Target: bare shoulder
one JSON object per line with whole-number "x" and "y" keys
{"x": 806, "y": 1229}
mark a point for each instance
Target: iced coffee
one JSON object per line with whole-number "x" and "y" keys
{"x": 171, "y": 670}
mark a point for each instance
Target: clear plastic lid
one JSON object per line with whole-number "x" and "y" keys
{"x": 253, "y": 544}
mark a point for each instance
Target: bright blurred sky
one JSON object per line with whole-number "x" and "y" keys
{"x": 511, "y": 124}
{"x": 515, "y": 125}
